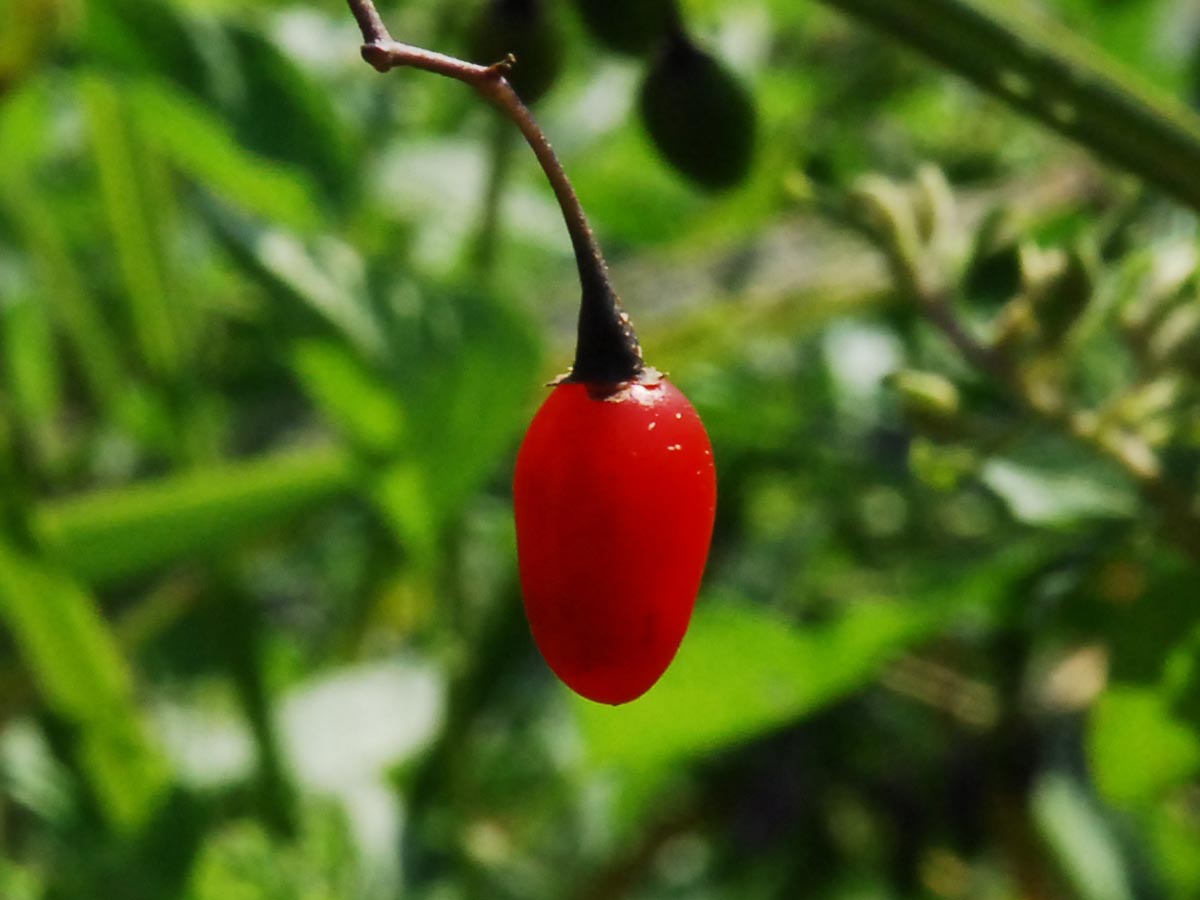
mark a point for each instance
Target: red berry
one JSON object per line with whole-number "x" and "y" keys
{"x": 615, "y": 497}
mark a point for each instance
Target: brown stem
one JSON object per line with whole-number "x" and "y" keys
{"x": 369, "y": 23}
{"x": 607, "y": 349}
{"x": 501, "y": 157}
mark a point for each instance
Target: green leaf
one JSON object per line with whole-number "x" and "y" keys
{"x": 134, "y": 212}
{"x": 20, "y": 883}
{"x": 280, "y": 113}
{"x": 638, "y": 199}
{"x": 743, "y": 671}
{"x": 24, "y": 124}
{"x": 466, "y": 384}
{"x": 1058, "y": 498}
{"x": 203, "y": 146}
{"x": 323, "y": 274}
{"x": 1148, "y": 630}
{"x": 1046, "y": 71}
{"x": 108, "y": 535}
{"x": 30, "y": 363}
{"x": 1174, "y": 832}
{"x": 270, "y": 102}
{"x": 401, "y": 491}
{"x": 82, "y": 677}
{"x": 242, "y": 861}
{"x": 355, "y": 398}
{"x": 144, "y": 36}
{"x": 1137, "y": 749}
{"x": 35, "y": 219}
{"x": 463, "y": 365}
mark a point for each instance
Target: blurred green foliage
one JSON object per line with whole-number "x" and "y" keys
{"x": 271, "y": 327}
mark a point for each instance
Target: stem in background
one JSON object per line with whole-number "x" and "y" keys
{"x": 1181, "y": 522}
{"x": 607, "y": 350}
{"x": 501, "y": 156}
{"x": 1180, "y": 525}
{"x": 1042, "y": 70}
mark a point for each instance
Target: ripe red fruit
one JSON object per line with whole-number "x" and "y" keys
{"x": 614, "y": 495}
{"x": 615, "y": 489}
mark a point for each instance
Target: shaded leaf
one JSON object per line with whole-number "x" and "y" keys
{"x": 136, "y": 228}
{"x": 743, "y": 671}
{"x": 460, "y": 367}
{"x": 280, "y": 113}
{"x": 268, "y": 99}
{"x": 74, "y": 661}
{"x": 465, "y": 382}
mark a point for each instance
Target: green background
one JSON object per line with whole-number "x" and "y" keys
{"x": 272, "y": 325}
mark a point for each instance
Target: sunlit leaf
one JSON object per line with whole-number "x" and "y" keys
{"x": 1057, "y": 498}
{"x": 242, "y": 861}
{"x": 108, "y": 535}
{"x": 31, "y": 364}
{"x": 324, "y": 275}
{"x": 1137, "y": 749}
{"x": 739, "y": 673}
{"x": 1086, "y": 847}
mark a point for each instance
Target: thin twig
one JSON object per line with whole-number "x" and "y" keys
{"x": 937, "y": 309}
{"x": 501, "y": 157}
{"x": 607, "y": 349}
{"x": 369, "y": 23}
{"x": 491, "y": 84}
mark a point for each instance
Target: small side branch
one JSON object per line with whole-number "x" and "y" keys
{"x": 608, "y": 349}
{"x": 885, "y": 213}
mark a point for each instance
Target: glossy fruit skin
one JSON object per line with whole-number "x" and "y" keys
{"x": 614, "y": 498}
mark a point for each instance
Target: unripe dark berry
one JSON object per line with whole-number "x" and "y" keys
{"x": 698, "y": 115}
{"x": 527, "y": 30}
{"x": 635, "y": 27}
